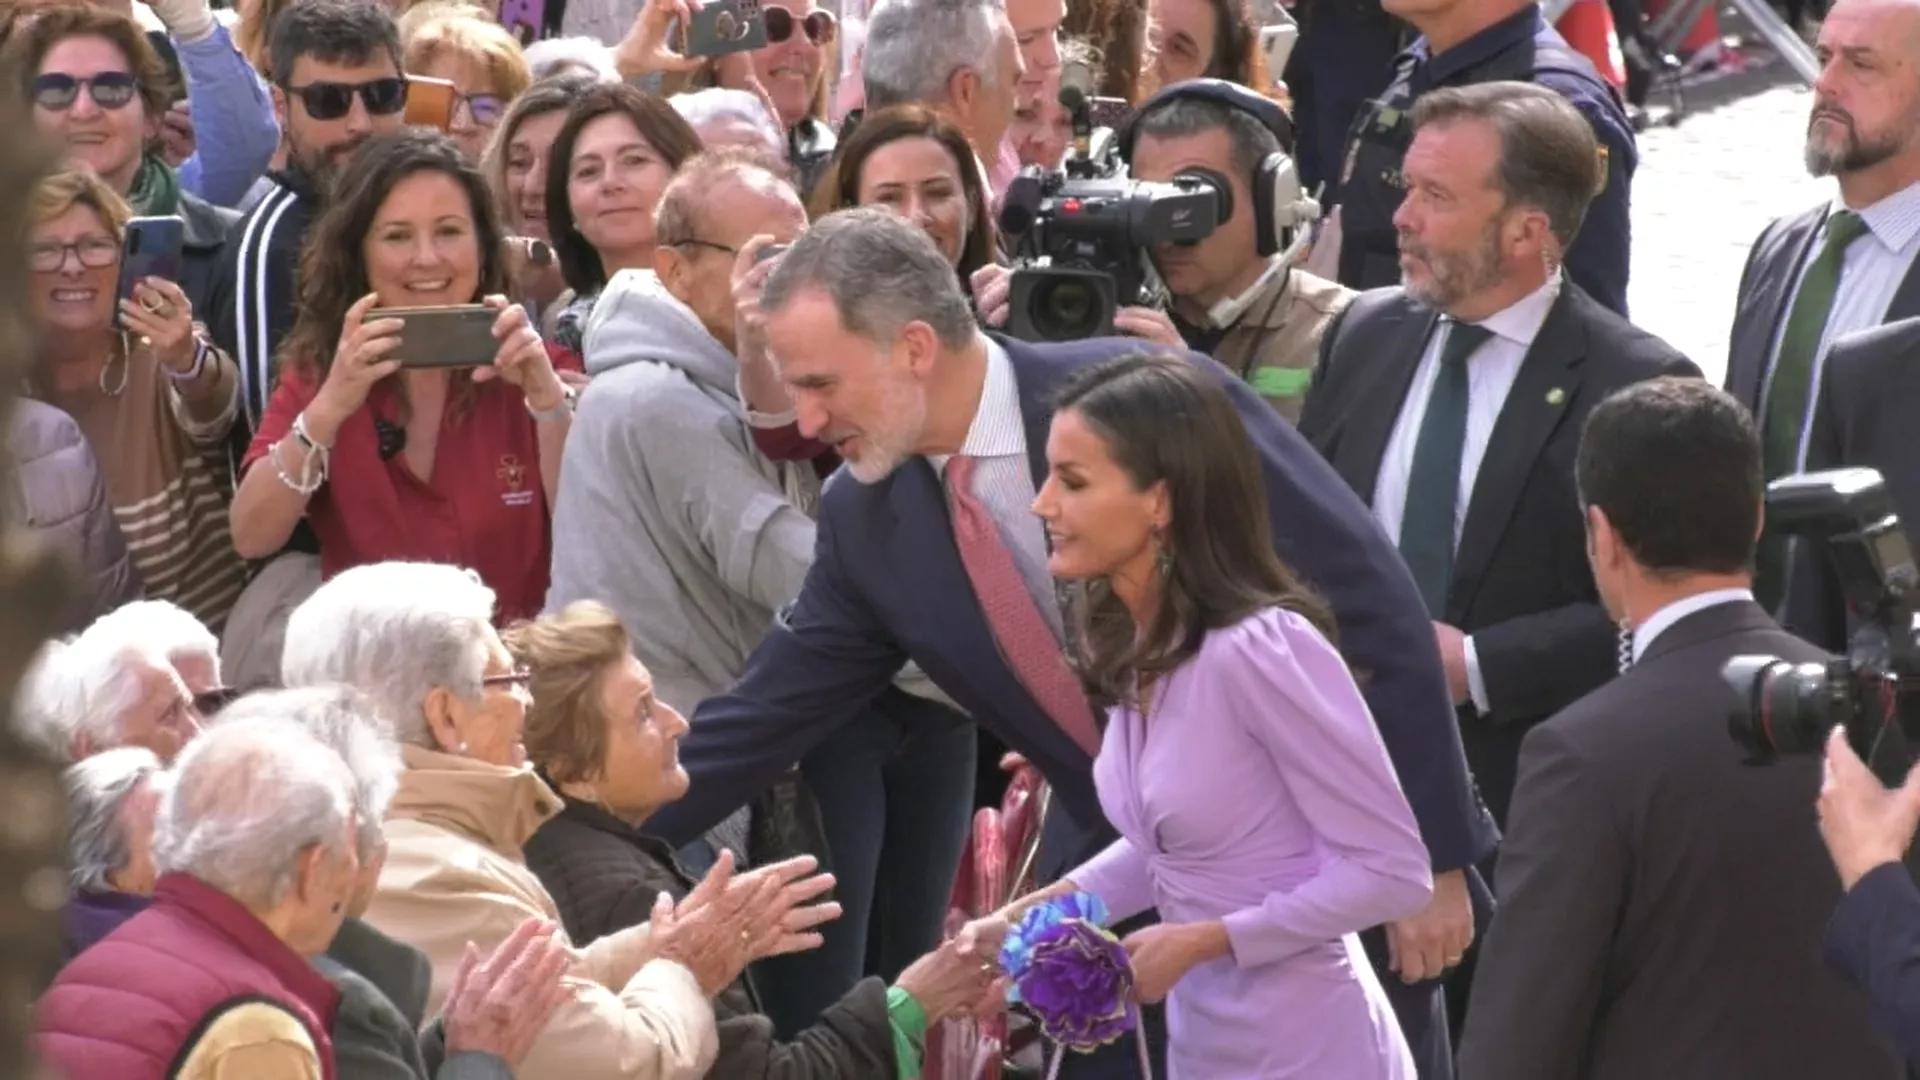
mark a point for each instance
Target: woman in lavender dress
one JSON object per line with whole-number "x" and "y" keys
{"x": 1257, "y": 808}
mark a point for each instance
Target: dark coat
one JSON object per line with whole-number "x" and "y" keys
{"x": 604, "y": 876}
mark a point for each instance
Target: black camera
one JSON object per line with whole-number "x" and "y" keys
{"x": 1083, "y": 247}
{"x": 1788, "y": 708}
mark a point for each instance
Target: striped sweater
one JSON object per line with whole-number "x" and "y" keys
{"x": 161, "y": 453}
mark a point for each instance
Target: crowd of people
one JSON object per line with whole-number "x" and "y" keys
{"x": 620, "y": 702}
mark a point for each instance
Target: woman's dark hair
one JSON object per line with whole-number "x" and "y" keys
{"x": 333, "y": 267}
{"x": 1165, "y": 421}
{"x": 839, "y": 186}
{"x": 555, "y": 93}
{"x": 670, "y": 136}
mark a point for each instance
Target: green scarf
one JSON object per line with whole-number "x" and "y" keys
{"x": 156, "y": 189}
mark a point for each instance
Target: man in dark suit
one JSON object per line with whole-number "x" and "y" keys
{"x": 1840, "y": 267}
{"x": 1662, "y": 900}
{"x": 1452, "y": 406}
{"x": 876, "y": 341}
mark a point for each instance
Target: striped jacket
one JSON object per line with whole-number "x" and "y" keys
{"x": 252, "y": 296}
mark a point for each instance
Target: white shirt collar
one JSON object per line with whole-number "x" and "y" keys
{"x": 1520, "y": 321}
{"x": 998, "y": 427}
{"x": 1893, "y": 220}
{"x": 1661, "y": 621}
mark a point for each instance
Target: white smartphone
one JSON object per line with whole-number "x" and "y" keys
{"x": 1277, "y": 42}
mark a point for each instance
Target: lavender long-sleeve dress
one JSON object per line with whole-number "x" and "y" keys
{"x": 1258, "y": 793}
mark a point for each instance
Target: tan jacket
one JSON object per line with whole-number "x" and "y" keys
{"x": 1276, "y": 344}
{"x": 454, "y": 874}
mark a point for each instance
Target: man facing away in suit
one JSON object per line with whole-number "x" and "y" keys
{"x": 1662, "y": 900}
{"x": 927, "y": 548}
{"x": 1452, "y": 405}
{"x": 1846, "y": 265}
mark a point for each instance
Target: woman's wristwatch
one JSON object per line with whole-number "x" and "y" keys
{"x": 559, "y": 412}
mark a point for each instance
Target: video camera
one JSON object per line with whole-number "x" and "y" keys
{"x": 1082, "y": 233}
{"x": 1788, "y": 708}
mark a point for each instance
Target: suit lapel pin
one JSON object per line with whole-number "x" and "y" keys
{"x": 1556, "y": 396}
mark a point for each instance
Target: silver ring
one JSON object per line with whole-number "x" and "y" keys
{"x": 150, "y": 305}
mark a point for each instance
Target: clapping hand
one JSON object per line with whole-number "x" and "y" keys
{"x": 500, "y": 1005}
{"x": 788, "y": 923}
{"x": 729, "y": 920}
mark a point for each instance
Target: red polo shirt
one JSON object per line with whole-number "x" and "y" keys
{"x": 485, "y": 508}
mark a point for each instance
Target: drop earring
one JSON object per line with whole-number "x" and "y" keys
{"x": 1162, "y": 556}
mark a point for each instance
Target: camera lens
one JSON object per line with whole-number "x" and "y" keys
{"x": 1067, "y": 309}
{"x": 1784, "y": 708}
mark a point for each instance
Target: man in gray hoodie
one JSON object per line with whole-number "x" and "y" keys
{"x": 669, "y": 514}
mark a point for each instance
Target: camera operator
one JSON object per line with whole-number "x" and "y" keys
{"x": 1662, "y": 899}
{"x": 1874, "y": 935}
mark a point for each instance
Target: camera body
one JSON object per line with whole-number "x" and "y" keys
{"x": 1789, "y": 708}
{"x": 1083, "y": 246}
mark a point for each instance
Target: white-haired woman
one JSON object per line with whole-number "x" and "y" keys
{"x": 571, "y": 56}
{"x": 176, "y": 634}
{"x": 254, "y": 843}
{"x": 378, "y": 1032}
{"x": 419, "y": 639}
{"x": 734, "y": 118}
{"x": 104, "y": 689}
{"x": 110, "y": 803}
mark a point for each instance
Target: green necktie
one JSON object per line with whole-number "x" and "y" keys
{"x": 1433, "y": 483}
{"x": 1791, "y": 387}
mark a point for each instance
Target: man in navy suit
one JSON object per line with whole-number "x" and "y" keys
{"x": 878, "y": 346}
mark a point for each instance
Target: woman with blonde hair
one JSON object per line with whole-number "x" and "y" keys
{"x": 609, "y": 747}
{"x": 149, "y": 390}
{"x": 461, "y": 44}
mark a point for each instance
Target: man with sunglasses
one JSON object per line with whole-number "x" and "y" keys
{"x": 336, "y": 68}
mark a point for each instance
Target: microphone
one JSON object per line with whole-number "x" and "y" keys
{"x": 1077, "y": 85}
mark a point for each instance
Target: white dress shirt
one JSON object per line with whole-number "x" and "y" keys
{"x": 1491, "y": 371}
{"x": 1661, "y": 621}
{"x": 997, "y": 439}
{"x": 1870, "y": 274}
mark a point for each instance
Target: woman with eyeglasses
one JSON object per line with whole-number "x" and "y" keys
{"x": 480, "y": 59}
{"x": 151, "y": 393}
{"x": 452, "y": 465}
{"x": 611, "y": 161}
{"x": 96, "y": 84}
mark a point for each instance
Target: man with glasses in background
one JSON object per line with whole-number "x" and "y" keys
{"x": 337, "y": 82}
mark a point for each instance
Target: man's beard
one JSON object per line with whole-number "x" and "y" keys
{"x": 319, "y": 168}
{"x": 905, "y": 407}
{"x": 1454, "y": 276}
{"x": 1854, "y": 152}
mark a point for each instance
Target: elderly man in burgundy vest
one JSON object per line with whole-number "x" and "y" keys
{"x": 254, "y": 841}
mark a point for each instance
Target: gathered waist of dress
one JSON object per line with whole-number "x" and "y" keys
{"x": 1188, "y": 889}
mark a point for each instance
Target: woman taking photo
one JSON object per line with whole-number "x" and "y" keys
{"x": 611, "y": 159}
{"x": 436, "y": 464}
{"x": 152, "y": 395}
{"x": 1257, "y": 808}
{"x": 610, "y": 748}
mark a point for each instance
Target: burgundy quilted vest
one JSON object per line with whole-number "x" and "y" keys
{"x": 131, "y": 1007}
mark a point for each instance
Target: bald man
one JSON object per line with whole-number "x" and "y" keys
{"x": 1843, "y": 266}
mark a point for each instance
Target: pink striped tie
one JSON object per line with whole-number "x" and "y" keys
{"x": 1026, "y": 642}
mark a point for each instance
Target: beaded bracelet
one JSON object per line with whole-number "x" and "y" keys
{"x": 313, "y": 472}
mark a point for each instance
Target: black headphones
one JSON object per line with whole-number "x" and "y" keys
{"x": 1279, "y": 206}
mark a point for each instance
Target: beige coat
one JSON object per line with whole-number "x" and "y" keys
{"x": 454, "y": 874}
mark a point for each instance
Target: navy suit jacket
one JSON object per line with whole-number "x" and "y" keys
{"x": 887, "y": 585}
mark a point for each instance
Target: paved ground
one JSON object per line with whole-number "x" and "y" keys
{"x": 1704, "y": 190}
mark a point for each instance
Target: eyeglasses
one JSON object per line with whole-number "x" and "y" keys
{"x": 209, "y": 702}
{"x": 56, "y": 92}
{"x": 710, "y": 245}
{"x": 332, "y": 100}
{"x": 819, "y": 25}
{"x": 512, "y": 680}
{"x": 94, "y": 253}
{"x": 486, "y": 109}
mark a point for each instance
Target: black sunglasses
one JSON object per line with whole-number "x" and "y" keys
{"x": 212, "y": 701}
{"x": 819, "y": 25}
{"x": 56, "y": 92}
{"x": 332, "y": 100}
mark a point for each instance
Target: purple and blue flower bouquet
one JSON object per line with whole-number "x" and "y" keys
{"x": 1074, "y": 976}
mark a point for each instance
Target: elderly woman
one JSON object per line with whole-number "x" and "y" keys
{"x": 106, "y": 689}
{"x": 419, "y": 639}
{"x": 734, "y": 118}
{"x": 110, "y": 801}
{"x": 597, "y": 732}
{"x": 185, "y": 641}
{"x": 378, "y": 1033}
{"x": 483, "y": 62}
{"x": 254, "y": 843}
{"x": 151, "y": 393}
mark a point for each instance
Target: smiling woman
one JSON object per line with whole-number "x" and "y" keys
{"x": 429, "y": 463}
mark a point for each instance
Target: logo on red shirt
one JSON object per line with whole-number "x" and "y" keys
{"x": 513, "y": 479}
